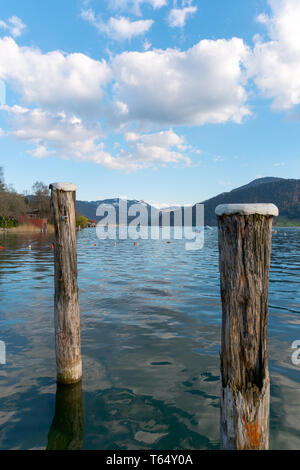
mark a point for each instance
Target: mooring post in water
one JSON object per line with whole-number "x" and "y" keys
{"x": 66, "y": 305}
{"x": 245, "y": 237}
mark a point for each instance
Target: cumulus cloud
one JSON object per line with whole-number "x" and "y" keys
{"x": 14, "y": 26}
{"x": 154, "y": 89}
{"x": 177, "y": 16}
{"x": 275, "y": 63}
{"x": 160, "y": 148}
{"x": 161, "y": 87}
{"x": 56, "y": 81}
{"x": 60, "y": 135}
{"x": 64, "y": 96}
{"x": 64, "y": 136}
{"x": 119, "y": 29}
{"x": 67, "y": 135}
{"x": 204, "y": 84}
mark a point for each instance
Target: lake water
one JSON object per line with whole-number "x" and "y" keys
{"x": 151, "y": 318}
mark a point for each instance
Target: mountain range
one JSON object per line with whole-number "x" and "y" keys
{"x": 284, "y": 193}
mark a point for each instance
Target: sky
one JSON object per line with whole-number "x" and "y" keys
{"x": 167, "y": 101}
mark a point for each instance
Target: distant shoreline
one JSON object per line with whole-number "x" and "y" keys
{"x": 23, "y": 229}
{"x": 26, "y": 229}
{"x": 282, "y": 225}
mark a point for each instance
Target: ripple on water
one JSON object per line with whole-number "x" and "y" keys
{"x": 151, "y": 320}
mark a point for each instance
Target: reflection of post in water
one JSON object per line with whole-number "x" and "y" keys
{"x": 66, "y": 432}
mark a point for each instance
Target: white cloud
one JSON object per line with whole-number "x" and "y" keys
{"x": 177, "y": 16}
{"x": 158, "y": 3}
{"x": 134, "y": 6}
{"x": 262, "y": 18}
{"x": 63, "y": 136}
{"x": 122, "y": 28}
{"x": 164, "y": 139}
{"x": 14, "y": 26}
{"x": 154, "y": 89}
{"x": 41, "y": 152}
{"x": 54, "y": 86}
{"x": 56, "y": 81}
{"x": 204, "y": 84}
{"x": 131, "y": 137}
{"x": 160, "y": 148}
{"x": 1, "y": 132}
{"x": 66, "y": 134}
{"x": 89, "y": 15}
{"x": 275, "y": 64}
{"x": 119, "y": 29}
{"x": 59, "y": 135}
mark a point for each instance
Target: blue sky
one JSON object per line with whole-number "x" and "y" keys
{"x": 166, "y": 101}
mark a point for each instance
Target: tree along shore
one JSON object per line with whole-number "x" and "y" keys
{"x": 33, "y": 204}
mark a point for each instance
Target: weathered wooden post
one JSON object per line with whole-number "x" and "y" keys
{"x": 66, "y": 305}
{"x": 245, "y": 236}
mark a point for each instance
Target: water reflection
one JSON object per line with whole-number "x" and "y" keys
{"x": 120, "y": 419}
{"x": 66, "y": 432}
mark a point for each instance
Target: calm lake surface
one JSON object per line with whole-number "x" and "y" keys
{"x": 151, "y": 318}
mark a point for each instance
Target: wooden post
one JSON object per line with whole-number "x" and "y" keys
{"x": 66, "y": 306}
{"x": 245, "y": 235}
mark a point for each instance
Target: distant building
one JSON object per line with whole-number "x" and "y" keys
{"x": 92, "y": 223}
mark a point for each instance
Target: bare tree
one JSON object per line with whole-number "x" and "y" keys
{"x": 41, "y": 200}
{"x": 2, "y": 184}
{"x": 41, "y": 189}
{"x": 12, "y": 205}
